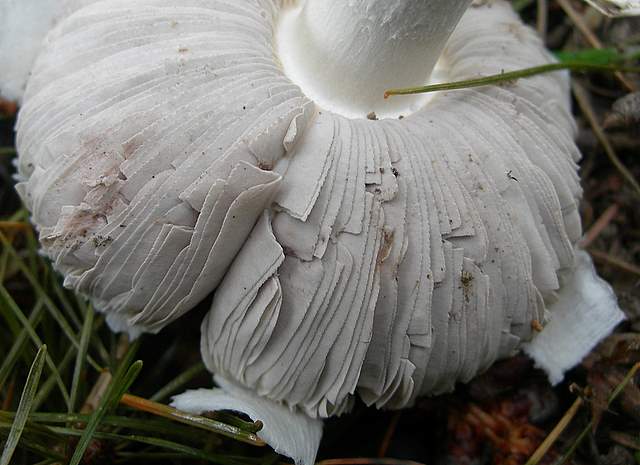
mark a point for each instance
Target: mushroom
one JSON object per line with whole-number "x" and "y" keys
{"x": 23, "y": 25}
{"x": 356, "y": 246}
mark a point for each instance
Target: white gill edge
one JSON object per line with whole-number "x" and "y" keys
{"x": 586, "y": 311}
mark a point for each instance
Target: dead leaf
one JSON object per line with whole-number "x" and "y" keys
{"x": 625, "y": 112}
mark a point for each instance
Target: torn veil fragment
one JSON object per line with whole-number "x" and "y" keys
{"x": 170, "y": 151}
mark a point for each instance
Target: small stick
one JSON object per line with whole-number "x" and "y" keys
{"x": 585, "y": 106}
{"x": 614, "y": 261}
{"x": 625, "y": 439}
{"x": 542, "y": 16}
{"x": 8, "y": 108}
{"x": 388, "y": 436}
{"x": 8, "y": 399}
{"x": 601, "y": 223}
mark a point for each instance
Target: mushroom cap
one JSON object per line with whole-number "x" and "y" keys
{"x": 165, "y": 155}
{"x": 23, "y": 25}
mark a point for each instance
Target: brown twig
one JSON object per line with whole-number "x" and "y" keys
{"x": 542, "y": 18}
{"x": 601, "y": 223}
{"x": 14, "y": 225}
{"x": 8, "y": 108}
{"x": 587, "y": 110}
{"x": 8, "y": 398}
{"x": 613, "y": 261}
{"x": 388, "y": 436}
{"x": 625, "y": 439}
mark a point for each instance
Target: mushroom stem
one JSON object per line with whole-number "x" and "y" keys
{"x": 345, "y": 54}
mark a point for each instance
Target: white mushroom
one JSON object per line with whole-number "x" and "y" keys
{"x": 171, "y": 149}
{"x": 23, "y": 25}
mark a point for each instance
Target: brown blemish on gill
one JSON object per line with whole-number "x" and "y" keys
{"x": 466, "y": 280}
{"x": 385, "y": 247}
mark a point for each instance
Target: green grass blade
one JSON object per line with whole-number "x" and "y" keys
{"x": 20, "y": 215}
{"x": 13, "y": 325}
{"x": 32, "y": 256}
{"x": 519, "y": 5}
{"x": 598, "y": 56}
{"x": 41, "y": 293}
{"x": 18, "y": 345}
{"x": 24, "y": 407}
{"x": 4, "y": 261}
{"x": 47, "y": 462}
{"x": 157, "y": 442}
{"x": 122, "y": 380}
{"x": 85, "y": 337}
{"x": 178, "y": 382}
{"x": 52, "y": 380}
{"x": 226, "y": 429}
{"x": 62, "y": 297}
{"x": 7, "y": 300}
{"x": 35, "y": 439}
{"x": 511, "y": 76}
{"x": 164, "y": 428}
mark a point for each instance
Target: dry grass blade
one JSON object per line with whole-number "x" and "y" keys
{"x": 24, "y": 408}
{"x": 14, "y": 226}
{"x": 555, "y": 433}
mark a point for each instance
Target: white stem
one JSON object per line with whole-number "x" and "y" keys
{"x": 345, "y": 53}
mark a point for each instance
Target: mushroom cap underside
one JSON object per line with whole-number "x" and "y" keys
{"x": 165, "y": 155}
